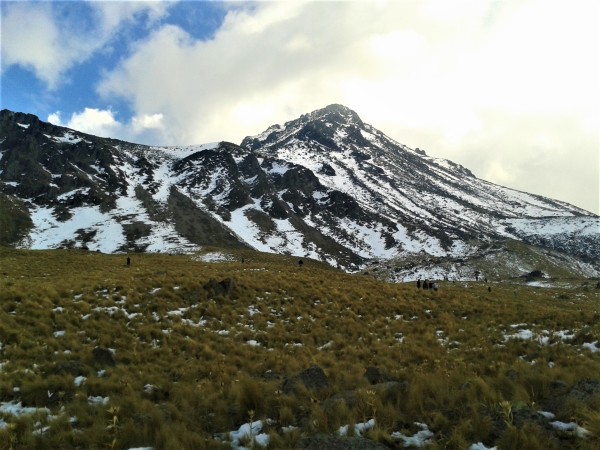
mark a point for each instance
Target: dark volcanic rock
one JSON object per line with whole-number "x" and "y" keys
{"x": 103, "y": 357}
{"x": 223, "y": 288}
{"x": 313, "y": 378}
{"x": 374, "y": 375}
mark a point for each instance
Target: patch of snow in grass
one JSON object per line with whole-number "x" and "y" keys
{"x": 247, "y": 431}
{"x": 591, "y": 346}
{"x": 98, "y": 400}
{"x": 17, "y": 409}
{"x": 253, "y": 343}
{"x": 480, "y": 446}
{"x": 539, "y": 284}
{"x": 39, "y": 429}
{"x": 548, "y": 415}
{"x": 524, "y": 335}
{"x": 419, "y": 439}
{"x": 564, "y": 335}
{"x": 79, "y": 380}
{"x": 60, "y": 333}
{"x": 214, "y": 257}
{"x": 571, "y": 428}
{"x": 325, "y": 346}
{"x": 177, "y": 312}
{"x": 359, "y": 428}
{"x": 262, "y": 440}
{"x": 191, "y": 323}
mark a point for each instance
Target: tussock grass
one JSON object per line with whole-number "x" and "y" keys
{"x": 191, "y": 364}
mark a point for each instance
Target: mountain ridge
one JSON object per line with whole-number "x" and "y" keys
{"x": 325, "y": 185}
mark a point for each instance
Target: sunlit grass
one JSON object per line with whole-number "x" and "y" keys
{"x": 191, "y": 364}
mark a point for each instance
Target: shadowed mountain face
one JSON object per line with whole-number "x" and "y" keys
{"x": 325, "y": 185}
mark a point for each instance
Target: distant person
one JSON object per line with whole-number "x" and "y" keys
{"x": 419, "y": 283}
{"x": 300, "y": 263}
{"x": 128, "y": 261}
{"x": 434, "y": 286}
{"x": 425, "y": 284}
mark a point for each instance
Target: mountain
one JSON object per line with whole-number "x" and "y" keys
{"x": 326, "y": 186}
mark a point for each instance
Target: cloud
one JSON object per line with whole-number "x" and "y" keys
{"x": 90, "y": 120}
{"x": 509, "y": 89}
{"x": 50, "y": 38}
{"x": 104, "y": 124}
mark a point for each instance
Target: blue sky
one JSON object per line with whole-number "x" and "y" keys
{"x": 22, "y": 90}
{"x": 507, "y": 88}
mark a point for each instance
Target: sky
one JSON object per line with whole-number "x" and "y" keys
{"x": 509, "y": 89}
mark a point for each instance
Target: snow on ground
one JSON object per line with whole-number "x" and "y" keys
{"x": 98, "y": 400}
{"x": 420, "y": 439}
{"x": 359, "y": 428}
{"x": 247, "y": 433}
{"x": 480, "y": 446}
{"x": 48, "y": 232}
{"x": 180, "y": 152}
{"x": 592, "y": 346}
{"x": 587, "y": 226}
{"x": 15, "y": 408}
{"x": 213, "y": 257}
{"x": 570, "y": 428}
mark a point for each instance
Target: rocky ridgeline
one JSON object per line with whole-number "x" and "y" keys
{"x": 326, "y": 186}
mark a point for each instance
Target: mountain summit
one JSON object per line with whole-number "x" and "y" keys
{"x": 325, "y": 185}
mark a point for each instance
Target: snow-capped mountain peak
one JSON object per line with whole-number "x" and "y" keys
{"x": 325, "y": 185}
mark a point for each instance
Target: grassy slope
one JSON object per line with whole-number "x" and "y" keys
{"x": 447, "y": 349}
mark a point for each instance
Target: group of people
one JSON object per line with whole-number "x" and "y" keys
{"x": 427, "y": 285}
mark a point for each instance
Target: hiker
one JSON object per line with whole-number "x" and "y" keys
{"x": 419, "y": 283}
{"x": 300, "y": 263}
{"x": 128, "y": 261}
{"x": 425, "y": 284}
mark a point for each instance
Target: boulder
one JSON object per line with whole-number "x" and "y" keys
{"x": 103, "y": 357}
{"x": 313, "y": 379}
{"x": 223, "y": 288}
{"x": 375, "y": 375}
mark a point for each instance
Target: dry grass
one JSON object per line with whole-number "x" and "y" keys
{"x": 191, "y": 364}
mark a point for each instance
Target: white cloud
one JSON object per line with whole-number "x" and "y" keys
{"x": 30, "y": 38}
{"x": 90, "y": 120}
{"x": 508, "y": 89}
{"x": 48, "y": 39}
{"x": 103, "y": 123}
